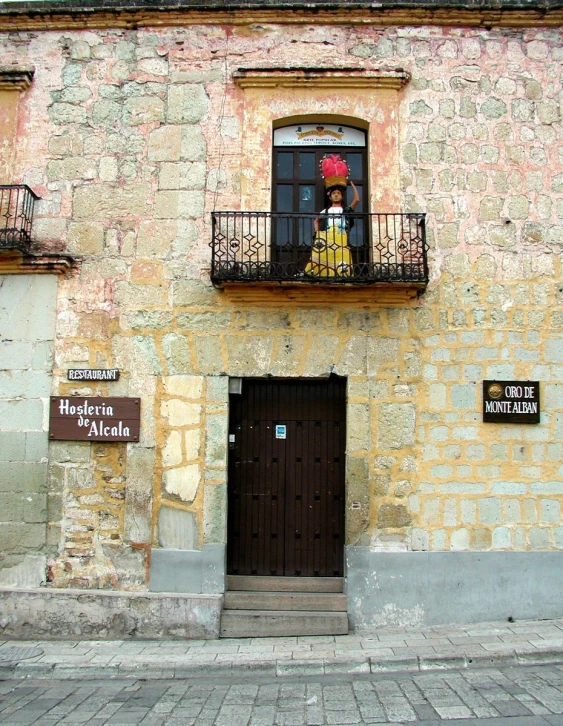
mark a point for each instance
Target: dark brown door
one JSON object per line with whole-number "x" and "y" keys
{"x": 286, "y": 495}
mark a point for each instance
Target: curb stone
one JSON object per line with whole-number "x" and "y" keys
{"x": 281, "y": 668}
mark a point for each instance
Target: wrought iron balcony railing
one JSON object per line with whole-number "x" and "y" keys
{"x": 283, "y": 247}
{"x": 16, "y": 216}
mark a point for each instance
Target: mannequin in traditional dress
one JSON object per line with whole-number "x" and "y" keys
{"x": 330, "y": 255}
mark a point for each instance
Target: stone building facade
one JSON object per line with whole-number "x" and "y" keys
{"x": 136, "y": 126}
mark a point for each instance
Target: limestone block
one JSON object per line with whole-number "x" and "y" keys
{"x": 48, "y": 230}
{"x": 105, "y": 113}
{"x": 358, "y": 426}
{"x": 67, "y": 113}
{"x": 71, "y": 168}
{"x": 156, "y": 237}
{"x": 177, "y": 353}
{"x": 181, "y": 413}
{"x": 192, "y": 442}
{"x": 145, "y": 354}
{"x": 182, "y": 175}
{"x": 193, "y": 292}
{"x": 286, "y": 360}
{"x": 460, "y": 539}
{"x": 171, "y": 204}
{"x": 172, "y": 454}
{"x": 177, "y": 529}
{"x": 132, "y": 295}
{"x": 396, "y": 423}
{"x": 321, "y": 353}
{"x": 143, "y": 110}
{"x": 215, "y": 514}
{"x": 190, "y": 387}
{"x": 193, "y": 146}
{"x": 30, "y": 572}
{"x": 85, "y": 238}
{"x": 380, "y": 351}
{"x": 21, "y": 415}
{"x": 182, "y": 481}
{"x": 437, "y": 395}
{"x": 187, "y": 103}
{"x": 393, "y": 516}
{"x": 353, "y": 359}
{"x": 216, "y": 428}
{"x": 165, "y": 143}
{"x": 249, "y": 355}
{"x": 420, "y": 540}
{"x": 138, "y": 493}
{"x": 106, "y": 201}
{"x": 153, "y": 66}
{"x": 204, "y": 321}
{"x": 217, "y": 389}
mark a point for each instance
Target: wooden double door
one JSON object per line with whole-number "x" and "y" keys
{"x": 286, "y": 478}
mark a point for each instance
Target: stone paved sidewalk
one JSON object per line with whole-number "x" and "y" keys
{"x": 529, "y": 642}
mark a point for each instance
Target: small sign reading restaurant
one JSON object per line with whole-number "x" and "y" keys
{"x": 76, "y": 418}
{"x": 511, "y": 401}
{"x": 93, "y": 374}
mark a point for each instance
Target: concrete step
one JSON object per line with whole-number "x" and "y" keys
{"x": 285, "y": 584}
{"x": 246, "y": 600}
{"x": 266, "y": 623}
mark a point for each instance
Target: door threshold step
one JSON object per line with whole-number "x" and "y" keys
{"x": 258, "y": 583}
{"x": 267, "y": 624}
{"x": 295, "y": 601}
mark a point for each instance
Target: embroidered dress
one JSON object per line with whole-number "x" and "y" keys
{"x": 330, "y": 256}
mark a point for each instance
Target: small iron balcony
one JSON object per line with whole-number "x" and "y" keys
{"x": 260, "y": 247}
{"x": 16, "y": 216}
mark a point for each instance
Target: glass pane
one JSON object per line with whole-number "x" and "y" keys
{"x": 282, "y": 235}
{"x": 306, "y": 198}
{"x": 284, "y": 165}
{"x": 306, "y": 232}
{"x": 356, "y": 234}
{"x": 307, "y": 168}
{"x": 284, "y": 198}
{"x": 355, "y": 165}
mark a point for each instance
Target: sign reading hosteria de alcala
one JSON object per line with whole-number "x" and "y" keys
{"x": 511, "y": 401}
{"x": 76, "y": 418}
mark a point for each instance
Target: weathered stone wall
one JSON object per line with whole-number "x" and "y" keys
{"x": 146, "y": 133}
{"x": 27, "y": 330}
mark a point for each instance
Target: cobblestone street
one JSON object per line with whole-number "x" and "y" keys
{"x": 519, "y": 696}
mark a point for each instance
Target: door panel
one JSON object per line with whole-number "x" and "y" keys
{"x": 286, "y": 496}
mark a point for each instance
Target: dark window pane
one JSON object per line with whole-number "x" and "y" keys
{"x": 282, "y": 232}
{"x": 355, "y": 165}
{"x": 307, "y": 169}
{"x": 306, "y": 198}
{"x": 284, "y": 198}
{"x": 356, "y": 235}
{"x": 305, "y": 232}
{"x": 284, "y": 165}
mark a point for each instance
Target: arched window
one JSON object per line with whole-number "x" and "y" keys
{"x": 297, "y": 186}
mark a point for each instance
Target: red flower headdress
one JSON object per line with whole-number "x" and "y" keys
{"x": 334, "y": 171}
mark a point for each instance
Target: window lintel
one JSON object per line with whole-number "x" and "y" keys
{"x": 394, "y": 79}
{"x": 15, "y": 79}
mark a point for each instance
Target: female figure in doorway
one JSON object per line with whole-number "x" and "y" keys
{"x": 330, "y": 255}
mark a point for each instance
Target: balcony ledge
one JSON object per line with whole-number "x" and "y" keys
{"x": 299, "y": 293}
{"x": 14, "y": 262}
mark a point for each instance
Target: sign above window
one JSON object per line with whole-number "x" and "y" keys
{"x": 319, "y": 135}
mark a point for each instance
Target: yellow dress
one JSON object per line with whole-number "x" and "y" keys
{"x": 330, "y": 256}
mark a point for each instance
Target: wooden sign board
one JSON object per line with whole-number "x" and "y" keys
{"x": 77, "y": 418}
{"x": 511, "y": 401}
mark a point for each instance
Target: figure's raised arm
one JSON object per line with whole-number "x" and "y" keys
{"x": 356, "y": 199}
